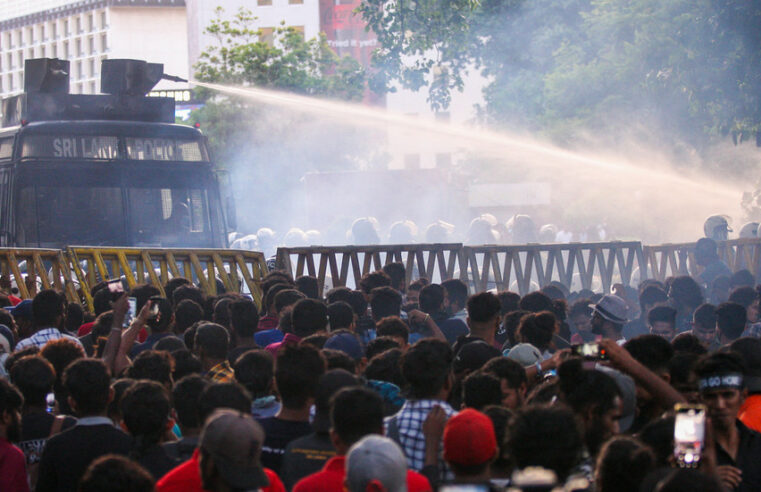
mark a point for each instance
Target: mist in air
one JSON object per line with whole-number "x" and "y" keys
{"x": 319, "y": 165}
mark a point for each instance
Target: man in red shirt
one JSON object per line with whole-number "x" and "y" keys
{"x": 12, "y": 463}
{"x": 227, "y": 458}
{"x": 355, "y": 413}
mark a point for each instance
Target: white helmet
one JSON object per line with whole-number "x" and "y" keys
{"x": 438, "y": 232}
{"x": 522, "y": 229}
{"x": 548, "y": 233}
{"x": 402, "y": 232}
{"x": 717, "y": 228}
{"x": 295, "y": 238}
{"x": 364, "y": 230}
{"x": 749, "y": 230}
{"x": 480, "y": 232}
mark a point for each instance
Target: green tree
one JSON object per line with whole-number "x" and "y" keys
{"x": 268, "y": 148}
{"x": 687, "y": 70}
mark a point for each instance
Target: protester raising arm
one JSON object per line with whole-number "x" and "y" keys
{"x": 656, "y": 386}
{"x": 120, "y": 341}
{"x": 119, "y": 307}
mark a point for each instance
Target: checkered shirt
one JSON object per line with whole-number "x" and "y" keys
{"x": 221, "y": 373}
{"x": 42, "y": 337}
{"x": 410, "y": 421}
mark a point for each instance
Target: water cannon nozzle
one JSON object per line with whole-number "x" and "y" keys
{"x": 173, "y": 78}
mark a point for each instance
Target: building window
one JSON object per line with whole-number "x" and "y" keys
{"x": 10, "y": 61}
{"x": 79, "y": 25}
{"x": 21, "y": 59}
{"x": 103, "y": 42}
{"x": 66, "y": 31}
{"x": 20, "y": 37}
{"x": 8, "y": 40}
{"x": 295, "y": 2}
{"x": 267, "y": 35}
{"x": 93, "y": 88}
{"x": 103, "y": 22}
{"x": 55, "y": 50}
{"x": 65, "y": 49}
{"x": 91, "y": 22}
{"x": 263, "y": 3}
{"x": 43, "y": 50}
{"x": 80, "y": 74}
{"x": 79, "y": 51}
{"x": 299, "y": 29}
{"x": 30, "y": 35}
{"x": 91, "y": 42}
{"x": 92, "y": 67}
{"x": 43, "y": 33}
{"x": 54, "y": 29}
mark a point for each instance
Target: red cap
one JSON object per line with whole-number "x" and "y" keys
{"x": 469, "y": 438}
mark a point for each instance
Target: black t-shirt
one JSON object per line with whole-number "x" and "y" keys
{"x": 157, "y": 461}
{"x": 67, "y": 455}
{"x": 35, "y": 430}
{"x": 304, "y": 456}
{"x": 748, "y": 458}
{"x": 278, "y": 434}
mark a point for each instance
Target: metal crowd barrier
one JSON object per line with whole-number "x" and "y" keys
{"x": 508, "y": 267}
{"x": 345, "y": 265}
{"x": 679, "y": 259}
{"x": 31, "y": 269}
{"x": 235, "y": 269}
{"x": 577, "y": 265}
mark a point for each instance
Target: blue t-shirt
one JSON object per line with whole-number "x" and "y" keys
{"x": 266, "y": 337}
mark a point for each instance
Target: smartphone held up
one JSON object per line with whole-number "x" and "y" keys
{"x": 689, "y": 434}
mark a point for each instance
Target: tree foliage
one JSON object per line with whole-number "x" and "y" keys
{"x": 266, "y": 147}
{"x": 687, "y": 69}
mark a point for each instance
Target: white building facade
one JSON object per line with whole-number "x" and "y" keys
{"x": 86, "y": 32}
{"x": 303, "y": 15}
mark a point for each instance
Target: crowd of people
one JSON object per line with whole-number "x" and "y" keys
{"x": 394, "y": 386}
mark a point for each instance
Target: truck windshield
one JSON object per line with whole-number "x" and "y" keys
{"x": 82, "y": 209}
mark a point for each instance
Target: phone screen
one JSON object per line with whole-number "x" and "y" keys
{"x": 689, "y": 434}
{"x": 131, "y": 312}
{"x": 589, "y": 351}
{"x": 115, "y": 285}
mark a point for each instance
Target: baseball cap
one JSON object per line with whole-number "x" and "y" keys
{"x": 628, "y": 395}
{"x": 347, "y": 343}
{"x": 21, "y": 310}
{"x": 525, "y": 354}
{"x": 327, "y": 386}
{"x": 469, "y": 438}
{"x": 376, "y": 458}
{"x": 612, "y": 308}
{"x": 234, "y": 441}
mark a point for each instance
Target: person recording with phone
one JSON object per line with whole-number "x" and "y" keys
{"x": 158, "y": 324}
{"x": 738, "y": 448}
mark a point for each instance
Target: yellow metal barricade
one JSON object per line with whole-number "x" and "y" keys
{"x": 33, "y": 269}
{"x": 346, "y": 264}
{"x": 237, "y": 270}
